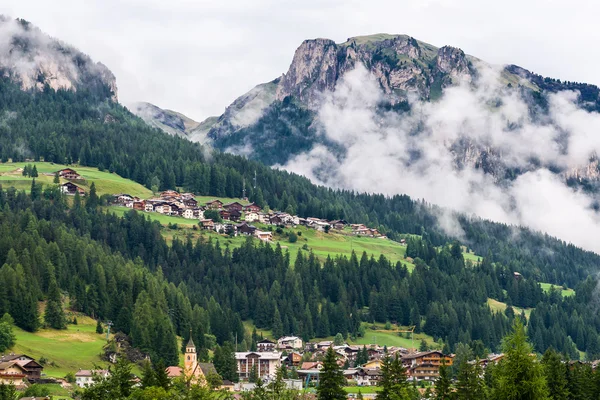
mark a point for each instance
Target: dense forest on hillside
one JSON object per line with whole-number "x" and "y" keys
{"x": 121, "y": 269}
{"x": 86, "y": 127}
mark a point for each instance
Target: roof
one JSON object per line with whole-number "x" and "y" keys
{"x": 191, "y": 342}
{"x": 268, "y": 355}
{"x": 266, "y": 341}
{"x": 10, "y": 357}
{"x": 91, "y": 372}
{"x": 174, "y": 372}
{"x": 207, "y": 368}
{"x": 421, "y": 354}
{"x": 7, "y": 364}
{"x": 286, "y": 338}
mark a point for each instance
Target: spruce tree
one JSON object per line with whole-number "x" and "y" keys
{"x": 56, "y": 178}
{"x": 470, "y": 384}
{"x": 394, "y": 385}
{"x": 443, "y": 391}
{"x": 99, "y": 328}
{"x": 277, "y": 326}
{"x": 34, "y": 172}
{"x": 224, "y": 361}
{"x": 54, "y": 315}
{"x": 555, "y": 371}
{"x": 331, "y": 379}
{"x": 519, "y": 375}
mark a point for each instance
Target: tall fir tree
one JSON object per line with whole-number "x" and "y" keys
{"x": 54, "y": 315}
{"x": 443, "y": 389}
{"x": 519, "y": 375}
{"x": 394, "y": 385}
{"x": 331, "y": 379}
{"x": 555, "y": 371}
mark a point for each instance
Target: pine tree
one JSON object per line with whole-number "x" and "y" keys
{"x": 470, "y": 384}
{"x": 331, "y": 379}
{"x": 34, "y": 172}
{"x": 277, "y": 326}
{"x": 443, "y": 391}
{"x": 394, "y": 385}
{"x": 92, "y": 199}
{"x": 54, "y": 315}
{"x": 519, "y": 375}
{"x": 56, "y": 178}
{"x": 253, "y": 375}
{"x": 555, "y": 372}
{"x": 148, "y": 377}
{"x": 224, "y": 361}
{"x": 99, "y": 328}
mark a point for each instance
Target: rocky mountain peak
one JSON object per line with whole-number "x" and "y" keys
{"x": 452, "y": 61}
{"x": 33, "y": 59}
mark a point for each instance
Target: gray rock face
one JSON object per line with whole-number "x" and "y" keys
{"x": 400, "y": 63}
{"x": 34, "y": 59}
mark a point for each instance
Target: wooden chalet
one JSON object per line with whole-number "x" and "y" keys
{"x": 11, "y": 373}
{"x": 252, "y": 207}
{"x": 33, "y": 370}
{"x": 214, "y": 205}
{"x": 190, "y": 202}
{"x": 234, "y": 206}
{"x": 206, "y": 224}
{"x": 225, "y": 214}
{"x": 71, "y": 189}
{"x": 235, "y": 215}
{"x": 170, "y": 193}
{"x": 338, "y": 224}
{"x": 245, "y": 229}
{"x": 265, "y": 345}
{"x": 425, "y": 365}
{"x": 69, "y": 174}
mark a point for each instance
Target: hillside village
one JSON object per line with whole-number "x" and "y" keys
{"x": 234, "y": 218}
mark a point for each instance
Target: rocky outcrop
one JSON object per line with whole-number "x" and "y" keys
{"x": 169, "y": 121}
{"x": 400, "y": 63}
{"x": 34, "y": 60}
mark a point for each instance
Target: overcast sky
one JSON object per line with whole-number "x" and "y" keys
{"x": 197, "y": 56}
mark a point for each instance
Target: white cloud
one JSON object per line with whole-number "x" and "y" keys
{"x": 380, "y": 153}
{"x": 198, "y": 56}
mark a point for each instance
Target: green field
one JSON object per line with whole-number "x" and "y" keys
{"x": 321, "y": 244}
{"x": 384, "y": 337}
{"x": 78, "y": 346}
{"x": 362, "y": 389}
{"x": 106, "y": 183}
{"x": 565, "y": 292}
{"x": 499, "y": 306}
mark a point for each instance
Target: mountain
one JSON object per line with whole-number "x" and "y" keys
{"x": 282, "y": 119}
{"x": 169, "y": 121}
{"x": 33, "y": 59}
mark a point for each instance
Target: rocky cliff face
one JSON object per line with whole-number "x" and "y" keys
{"x": 33, "y": 59}
{"x": 400, "y": 63}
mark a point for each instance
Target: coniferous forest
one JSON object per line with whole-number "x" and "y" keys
{"x": 123, "y": 270}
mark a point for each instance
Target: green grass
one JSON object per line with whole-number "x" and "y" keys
{"x": 161, "y": 218}
{"x": 106, "y": 183}
{"x": 499, "y": 306}
{"x": 225, "y": 200}
{"x": 322, "y": 244}
{"x": 362, "y": 389}
{"x": 565, "y": 292}
{"x": 79, "y": 346}
{"x": 384, "y": 337}
{"x": 474, "y": 258}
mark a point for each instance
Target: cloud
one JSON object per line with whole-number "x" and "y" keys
{"x": 433, "y": 153}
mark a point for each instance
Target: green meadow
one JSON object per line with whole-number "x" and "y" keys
{"x": 77, "y": 347}
{"x": 106, "y": 182}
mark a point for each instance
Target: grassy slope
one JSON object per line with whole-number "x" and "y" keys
{"x": 499, "y": 306}
{"x": 322, "y": 244}
{"x": 79, "y": 346}
{"x": 565, "y": 292}
{"x": 106, "y": 183}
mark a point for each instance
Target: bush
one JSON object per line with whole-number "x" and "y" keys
{"x": 293, "y": 238}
